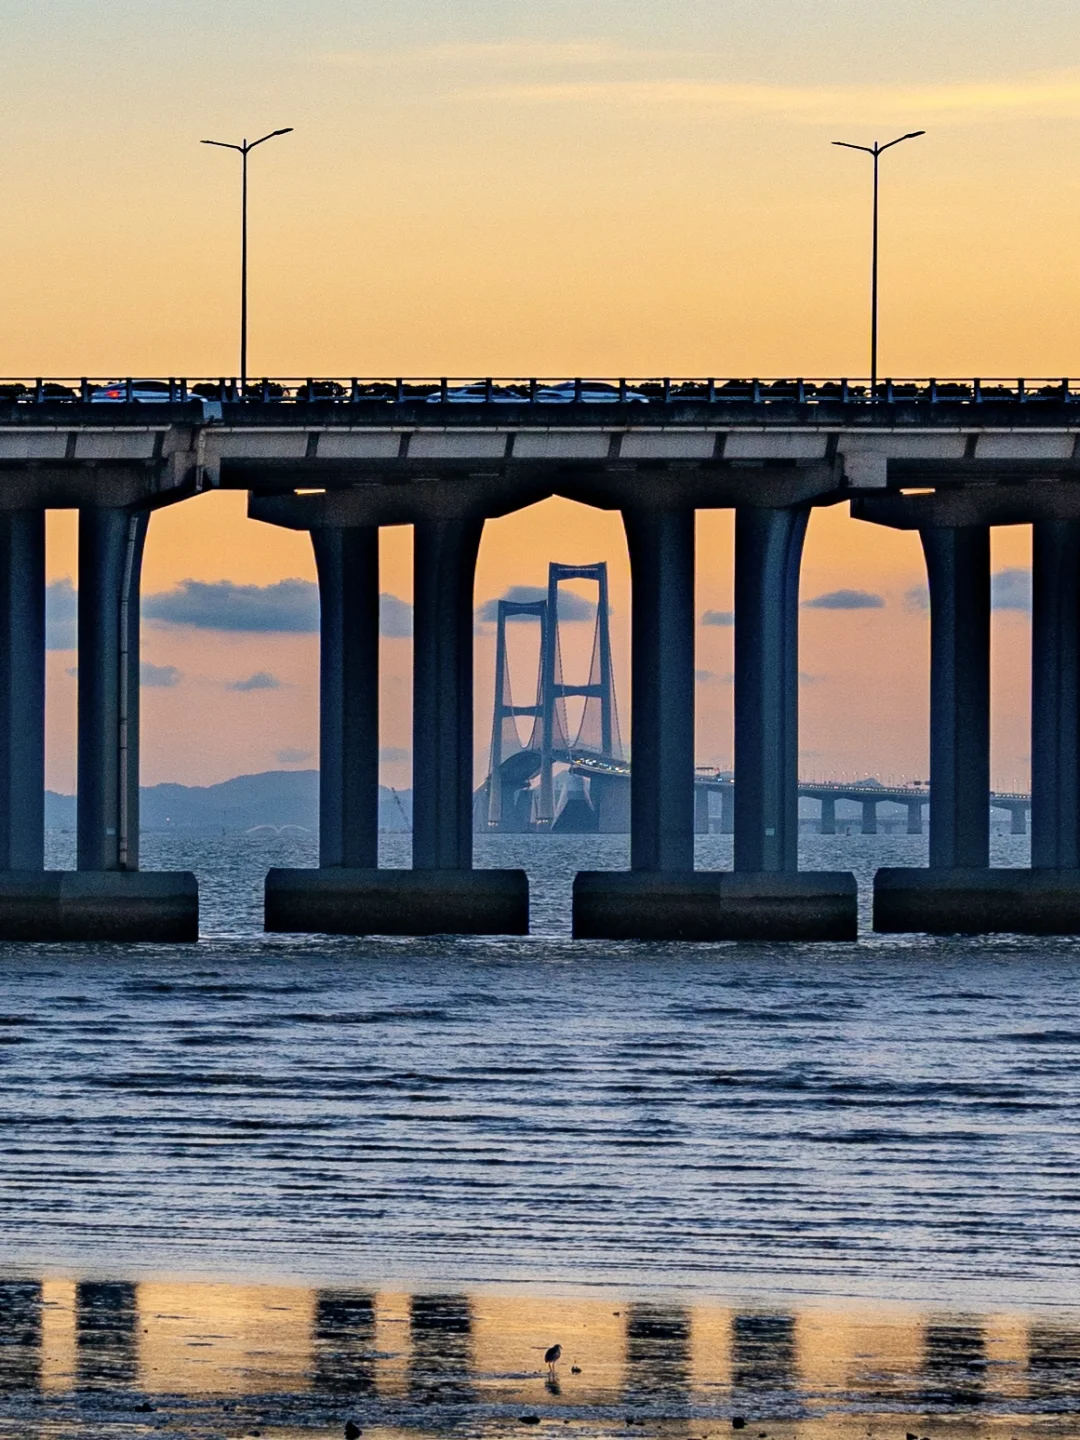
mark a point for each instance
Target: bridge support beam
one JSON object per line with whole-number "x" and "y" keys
{"x": 347, "y": 560}
{"x": 662, "y": 897}
{"x": 959, "y": 892}
{"x": 828, "y": 815}
{"x": 958, "y": 572}
{"x": 768, "y": 552}
{"x": 869, "y": 818}
{"x": 22, "y": 690}
{"x": 701, "y": 810}
{"x": 661, "y": 546}
{"x": 727, "y": 810}
{"x": 444, "y": 565}
{"x": 1055, "y": 695}
{"x": 108, "y": 899}
{"x": 441, "y": 894}
{"x": 914, "y": 817}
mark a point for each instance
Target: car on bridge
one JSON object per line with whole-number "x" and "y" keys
{"x": 589, "y": 392}
{"x": 477, "y": 394}
{"x": 141, "y": 392}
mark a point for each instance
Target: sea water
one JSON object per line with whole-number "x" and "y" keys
{"x": 801, "y": 1181}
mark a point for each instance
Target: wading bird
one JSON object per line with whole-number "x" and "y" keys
{"x": 551, "y": 1357}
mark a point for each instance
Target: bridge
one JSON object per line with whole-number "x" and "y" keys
{"x": 341, "y": 457}
{"x": 510, "y": 800}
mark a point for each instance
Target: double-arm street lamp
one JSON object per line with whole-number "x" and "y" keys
{"x": 244, "y": 151}
{"x": 876, "y": 151}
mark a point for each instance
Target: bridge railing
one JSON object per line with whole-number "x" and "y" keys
{"x": 534, "y": 390}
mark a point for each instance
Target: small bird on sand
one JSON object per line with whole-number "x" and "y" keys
{"x": 551, "y": 1357}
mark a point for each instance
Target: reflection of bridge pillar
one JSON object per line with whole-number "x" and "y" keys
{"x": 869, "y": 817}
{"x": 914, "y": 817}
{"x": 828, "y": 815}
{"x": 661, "y": 546}
{"x": 348, "y": 568}
{"x": 768, "y": 550}
{"x": 344, "y": 1336}
{"x": 106, "y": 1334}
{"x": 22, "y": 690}
{"x": 1055, "y": 695}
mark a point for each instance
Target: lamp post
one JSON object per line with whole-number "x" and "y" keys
{"x": 876, "y": 151}
{"x": 244, "y": 150}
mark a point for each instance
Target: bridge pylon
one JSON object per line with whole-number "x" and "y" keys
{"x": 550, "y": 740}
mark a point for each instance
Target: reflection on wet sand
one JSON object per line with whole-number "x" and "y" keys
{"x": 407, "y": 1360}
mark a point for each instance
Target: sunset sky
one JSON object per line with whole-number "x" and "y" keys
{"x": 494, "y": 187}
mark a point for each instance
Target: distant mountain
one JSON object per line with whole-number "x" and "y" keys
{"x": 275, "y": 797}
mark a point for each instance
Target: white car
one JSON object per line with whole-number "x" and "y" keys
{"x": 477, "y": 394}
{"x": 143, "y": 392}
{"x": 593, "y": 392}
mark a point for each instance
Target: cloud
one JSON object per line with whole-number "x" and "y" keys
{"x": 1011, "y": 590}
{"x": 261, "y": 680}
{"x": 506, "y": 54}
{"x": 845, "y": 600}
{"x": 289, "y": 756}
{"x": 286, "y": 607}
{"x": 571, "y": 607}
{"x": 805, "y": 678}
{"x": 162, "y": 677}
{"x": 710, "y": 677}
{"x": 1045, "y": 94}
{"x": 61, "y": 616}
{"x": 395, "y": 617}
{"x": 718, "y": 617}
{"x": 392, "y": 753}
{"x": 917, "y": 599}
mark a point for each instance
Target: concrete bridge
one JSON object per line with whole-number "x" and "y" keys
{"x": 342, "y": 458}
{"x": 611, "y": 781}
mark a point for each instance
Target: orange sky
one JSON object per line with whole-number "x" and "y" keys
{"x": 491, "y": 188}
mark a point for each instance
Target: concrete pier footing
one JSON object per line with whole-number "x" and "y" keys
{"x": 977, "y": 901}
{"x": 715, "y": 905}
{"x": 397, "y": 902}
{"x": 113, "y": 905}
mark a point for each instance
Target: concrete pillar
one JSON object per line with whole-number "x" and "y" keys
{"x": 914, "y": 817}
{"x": 110, "y": 561}
{"x": 1055, "y": 695}
{"x": 727, "y": 810}
{"x": 445, "y": 554}
{"x": 869, "y": 818}
{"x": 701, "y": 810}
{"x": 768, "y": 551}
{"x": 828, "y": 815}
{"x": 22, "y": 690}
{"x": 958, "y": 572}
{"x": 348, "y": 567}
{"x": 1018, "y": 820}
{"x": 661, "y": 546}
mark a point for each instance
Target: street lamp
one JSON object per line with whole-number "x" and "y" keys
{"x": 244, "y": 150}
{"x": 876, "y": 151}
